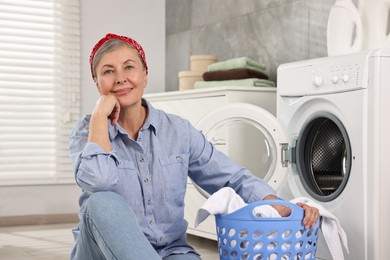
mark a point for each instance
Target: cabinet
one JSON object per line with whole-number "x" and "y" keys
{"x": 196, "y": 104}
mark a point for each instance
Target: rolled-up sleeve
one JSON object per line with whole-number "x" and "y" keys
{"x": 94, "y": 169}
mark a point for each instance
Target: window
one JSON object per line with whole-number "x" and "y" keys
{"x": 39, "y": 89}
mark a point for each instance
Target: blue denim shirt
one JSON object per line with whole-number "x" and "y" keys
{"x": 151, "y": 173}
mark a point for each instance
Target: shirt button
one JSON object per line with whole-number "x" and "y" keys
{"x": 146, "y": 180}
{"x": 149, "y": 201}
{"x": 141, "y": 160}
{"x": 151, "y": 222}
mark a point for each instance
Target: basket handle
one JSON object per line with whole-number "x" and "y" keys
{"x": 297, "y": 212}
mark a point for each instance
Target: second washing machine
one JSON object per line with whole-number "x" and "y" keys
{"x": 238, "y": 139}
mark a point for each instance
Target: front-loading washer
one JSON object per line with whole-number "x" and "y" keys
{"x": 328, "y": 142}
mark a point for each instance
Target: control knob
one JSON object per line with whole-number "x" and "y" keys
{"x": 335, "y": 79}
{"x": 318, "y": 80}
{"x": 345, "y": 78}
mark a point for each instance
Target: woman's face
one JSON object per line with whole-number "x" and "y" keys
{"x": 120, "y": 73}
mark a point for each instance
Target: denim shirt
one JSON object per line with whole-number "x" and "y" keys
{"x": 151, "y": 173}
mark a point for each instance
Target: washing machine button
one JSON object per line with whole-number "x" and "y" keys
{"x": 345, "y": 78}
{"x": 318, "y": 81}
{"x": 335, "y": 79}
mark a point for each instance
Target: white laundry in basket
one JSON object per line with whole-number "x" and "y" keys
{"x": 226, "y": 201}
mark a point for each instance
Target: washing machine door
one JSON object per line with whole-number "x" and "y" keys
{"x": 252, "y": 137}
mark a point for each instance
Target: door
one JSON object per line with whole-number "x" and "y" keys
{"x": 323, "y": 156}
{"x": 252, "y": 137}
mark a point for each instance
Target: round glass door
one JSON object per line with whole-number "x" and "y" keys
{"x": 324, "y": 157}
{"x": 250, "y": 136}
{"x": 245, "y": 142}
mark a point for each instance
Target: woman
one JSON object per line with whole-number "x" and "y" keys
{"x": 132, "y": 162}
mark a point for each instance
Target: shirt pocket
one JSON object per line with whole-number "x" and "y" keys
{"x": 175, "y": 172}
{"x": 128, "y": 184}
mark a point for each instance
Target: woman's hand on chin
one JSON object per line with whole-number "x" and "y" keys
{"x": 109, "y": 106}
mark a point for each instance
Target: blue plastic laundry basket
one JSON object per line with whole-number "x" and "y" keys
{"x": 243, "y": 235}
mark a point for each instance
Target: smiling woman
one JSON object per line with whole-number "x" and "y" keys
{"x": 132, "y": 162}
{"x": 39, "y": 86}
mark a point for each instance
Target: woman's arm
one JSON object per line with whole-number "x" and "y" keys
{"x": 94, "y": 161}
{"x": 106, "y": 107}
{"x": 212, "y": 170}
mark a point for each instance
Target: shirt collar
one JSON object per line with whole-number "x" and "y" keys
{"x": 151, "y": 118}
{"x": 151, "y": 122}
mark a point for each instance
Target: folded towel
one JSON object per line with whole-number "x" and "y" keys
{"x": 330, "y": 228}
{"x": 252, "y": 82}
{"x": 234, "y": 74}
{"x": 226, "y": 201}
{"x": 236, "y": 63}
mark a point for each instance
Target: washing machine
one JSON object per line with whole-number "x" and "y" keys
{"x": 328, "y": 143}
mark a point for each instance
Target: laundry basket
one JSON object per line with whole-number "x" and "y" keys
{"x": 243, "y": 235}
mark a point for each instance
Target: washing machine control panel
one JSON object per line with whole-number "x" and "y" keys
{"x": 336, "y": 77}
{"x": 323, "y": 75}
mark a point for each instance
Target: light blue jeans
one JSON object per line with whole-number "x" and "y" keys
{"x": 111, "y": 231}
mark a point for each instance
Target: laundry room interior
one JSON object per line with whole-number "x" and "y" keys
{"x": 295, "y": 91}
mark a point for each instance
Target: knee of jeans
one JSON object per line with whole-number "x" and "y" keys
{"x": 106, "y": 206}
{"x": 103, "y": 200}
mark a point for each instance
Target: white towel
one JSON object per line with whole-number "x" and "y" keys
{"x": 226, "y": 201}
{"x": 330, "y": 228}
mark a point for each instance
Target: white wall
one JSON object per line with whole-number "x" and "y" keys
{"x": 142, "y": 20}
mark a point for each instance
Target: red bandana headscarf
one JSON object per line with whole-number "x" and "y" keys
{"x": 122, "y": 38}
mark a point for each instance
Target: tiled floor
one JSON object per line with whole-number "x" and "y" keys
{"x": 53, "y": 242}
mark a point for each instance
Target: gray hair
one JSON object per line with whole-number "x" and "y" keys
{"x": 110, "y": 45}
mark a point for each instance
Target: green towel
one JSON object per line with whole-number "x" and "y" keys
{"x": 237, "y": 63}
{"x": 252, "y": 82}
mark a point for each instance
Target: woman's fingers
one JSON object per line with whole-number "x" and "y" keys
{"x": 311, "y": 215}
{"x": 109, "y": 105}
{"x": 115, "y": 113}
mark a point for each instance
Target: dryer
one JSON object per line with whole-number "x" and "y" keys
{"x": 329, "y": 142}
